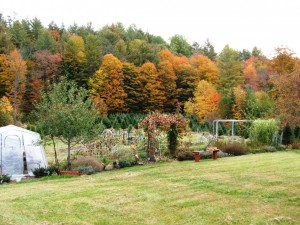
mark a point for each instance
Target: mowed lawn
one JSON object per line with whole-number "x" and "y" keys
{"x": 251, "y": 189}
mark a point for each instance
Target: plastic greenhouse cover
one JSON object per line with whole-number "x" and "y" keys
{"x": 14, "y": 143}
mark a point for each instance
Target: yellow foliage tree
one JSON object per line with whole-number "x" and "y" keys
{"x": 74, "y": 60}
{"x": 108, "y": 83}
{"x": 6, "y": 110}
{"x": 205, "y": 103}
{"x": 205, "y": 68}
{"x": 153, "y": 94}
{"x": 239, "y": 103}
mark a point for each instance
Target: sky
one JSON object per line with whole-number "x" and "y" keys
{"x": 266, "y": 24}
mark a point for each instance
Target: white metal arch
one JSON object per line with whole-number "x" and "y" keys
{"x": 232, "y": 121}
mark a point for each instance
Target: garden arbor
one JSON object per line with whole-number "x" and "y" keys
{"x": 172, "y": 124}
{"x": 232, "y": 121}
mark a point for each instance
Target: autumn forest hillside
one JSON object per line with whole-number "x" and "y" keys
{"x": 126, "y": 69}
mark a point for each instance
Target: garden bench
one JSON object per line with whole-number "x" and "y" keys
{"x": 213, "y": 150}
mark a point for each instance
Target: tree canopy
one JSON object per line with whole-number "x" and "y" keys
{"x": 66, "y": 112}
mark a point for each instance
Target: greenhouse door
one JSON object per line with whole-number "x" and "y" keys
{"x": 12, "y": 155}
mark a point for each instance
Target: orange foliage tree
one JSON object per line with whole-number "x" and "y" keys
{"x": 184, "y": 72}
{"x": 12, "y": 78}
{"x": 167, "y": 77}
{"x": 287, "y": 97}
{"x": 284, "y": 62}
{"x": 250, "y": 74}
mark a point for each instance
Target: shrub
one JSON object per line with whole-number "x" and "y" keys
{"x": 206, "y": 155}
{"x": 4, "y": 178}
{"x": 52, "y": 170}
{"x": 234, "y": 149}
{"x": 88, "y": 170}
{"x": 42, "y": 172}
{"x": 181, "y": 156}
{"x": 296, "y": 145}
{"x": 106, "y": 122}
{"x": 287, "y": 136}
{"x": 116, "y": 125}
{"x": 269, "y": 149}
{"x": 86, "y": 162}
{"x": 220, "y": 144}
{"x": 63, "y": 165}
{"x": 142, "y": 155}
{"x": 297, "y": 132}
{"x": 124, "y": 163}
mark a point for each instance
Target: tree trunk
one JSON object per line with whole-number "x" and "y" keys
{"x": 55, "y": 153}
{"x": 148, "y": 145}
{"x": 15, "y": 99}
{"x": 69, "y": 155}
{"x": 151, "y": 148}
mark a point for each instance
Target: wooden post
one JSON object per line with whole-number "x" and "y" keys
{"x": 217, "y": 130}
{"x": 197, "y": 156}
{"x": 232, "y": 131}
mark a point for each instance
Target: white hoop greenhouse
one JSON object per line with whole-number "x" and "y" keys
{"x": 20, "y": 151}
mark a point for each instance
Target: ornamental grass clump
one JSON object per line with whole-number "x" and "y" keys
{"x": 263, "y": 131}
{"x": 86, "y": 163}
{"x": 234, "y": 148}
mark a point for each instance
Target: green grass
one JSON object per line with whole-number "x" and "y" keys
{"x": 251, "y": 189}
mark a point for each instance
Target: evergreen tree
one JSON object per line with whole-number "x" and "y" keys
{"x": 230, "y": 68}
{"x": 208, "y": 50}
{"x": 74, "y": 60}
{"x": 287, "y": 135}
{"x": 179, "y": 46}
{"x": 45, "y": 41}
{"x": 5, "y": 41}
{"x": 226, "y": 105}
{"x": 93, "y": 53}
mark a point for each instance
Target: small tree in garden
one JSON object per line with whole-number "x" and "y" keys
{"x": 68, "y": 113}
{"x": 173, "y": 124}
